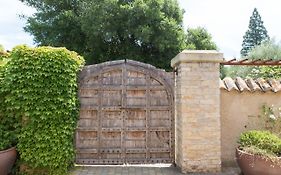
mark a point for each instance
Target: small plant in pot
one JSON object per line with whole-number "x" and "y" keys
{"x": 8, "y": 152}
{"x": 259, "y": 152}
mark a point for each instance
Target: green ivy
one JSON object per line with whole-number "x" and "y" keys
{"x": 4, "y": 57}
{"x": 41, "y": 92}
{"x": 7, "y": 124}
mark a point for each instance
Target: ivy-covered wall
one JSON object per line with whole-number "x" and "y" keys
{"x": 4, "y": 56}
{"x": 40, "y": 87}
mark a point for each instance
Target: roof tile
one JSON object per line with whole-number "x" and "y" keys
{"x": 230, "y": 84}
{"x": 275, "y": 85}
{"x": 263, "y": 84}
{"x": 251, "y": 85}
{"x": 241, "y": 84}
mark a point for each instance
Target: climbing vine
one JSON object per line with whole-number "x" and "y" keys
{"x": 41, "y": 92}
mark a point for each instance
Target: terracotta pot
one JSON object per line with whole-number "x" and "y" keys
{"x": 256, "y": 165}
{"x": 7, "y": 160}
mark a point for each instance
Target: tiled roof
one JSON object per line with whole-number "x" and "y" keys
{"x": 250, "y": 85}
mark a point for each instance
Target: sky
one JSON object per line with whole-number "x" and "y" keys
{"x": 226, "y": 20}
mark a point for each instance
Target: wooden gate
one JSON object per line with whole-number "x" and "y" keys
{"x": 126, "y": 114}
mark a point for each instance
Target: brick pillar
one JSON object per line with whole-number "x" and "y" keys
{"x": 197, "y": 105}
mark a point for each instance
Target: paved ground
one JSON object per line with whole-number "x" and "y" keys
{"x": 129, "y": 170}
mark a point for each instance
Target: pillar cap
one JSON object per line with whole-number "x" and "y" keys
{"x": 197, "y": 56}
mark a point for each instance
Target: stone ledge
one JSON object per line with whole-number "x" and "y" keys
{"x": 197, "y": 56}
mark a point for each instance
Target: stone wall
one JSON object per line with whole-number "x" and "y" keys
{"x": 210, "y": 114}
{"x": 197, "y": 95}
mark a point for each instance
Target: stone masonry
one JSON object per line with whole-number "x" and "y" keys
{"x": 197, "y": 105}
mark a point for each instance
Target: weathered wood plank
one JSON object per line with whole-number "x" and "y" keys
{"x": 126, "y": 114}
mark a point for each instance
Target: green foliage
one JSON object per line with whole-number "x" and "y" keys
{"x": 255, "y": 34}
{"x": 199, "y": 39}
{"x": 223, "y": 71}
{"x": 267, "y": 50}
{"x": 7, "y": 124}
{"x": 271, "y": 119}
{"x": 263, "y": 141}
{"x": 265, "y": 72}
{"x": 56, "y": 23}
{"x": 40, "y": 87}
{"x": 4, "y": 58}
{"x": 150, "y": 31}
{"x": 238, "y": 71}
{"x": 7, "y": 134}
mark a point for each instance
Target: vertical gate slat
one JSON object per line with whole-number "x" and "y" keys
{"x": 172, "y": 111}
{"x": 124, "y": 104}
{"x": 147, "y": 118}
{"x": 99, "y": 113}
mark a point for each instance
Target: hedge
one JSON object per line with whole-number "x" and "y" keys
{"x": 41, "y": 93}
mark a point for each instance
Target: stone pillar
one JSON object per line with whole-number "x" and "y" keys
{"x": 197, "y": 105}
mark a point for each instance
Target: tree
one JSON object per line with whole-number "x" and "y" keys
{"x": 255, "y": 34}
{"x": 150, "y": 31}
{"x": 199, "y": 39}
{"x": 266, "y": 50}
{"x": 57, "y": 23}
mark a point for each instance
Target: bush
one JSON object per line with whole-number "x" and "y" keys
{"x": 7, "y": 134}
{"x": 260, "y": 142}
{"x": 40, "y": 87}
{"x": 4, "y": 57}
{"x": 7, "y": 137}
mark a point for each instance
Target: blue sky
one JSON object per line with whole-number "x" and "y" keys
{"x": 226, "y": 20}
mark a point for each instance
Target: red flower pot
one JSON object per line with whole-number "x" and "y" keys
{"x": 257, "y": 165}
{"x": 7, "y": 160}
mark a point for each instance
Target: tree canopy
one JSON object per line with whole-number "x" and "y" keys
{"x": 199, "y": 39}
{"x": 255, "y": 34}
{"x": 150, "y": 31}
{"x": 267, "y": 50}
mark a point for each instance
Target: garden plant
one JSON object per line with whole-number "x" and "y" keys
{"x": 39, "y": 93}
{"x": 259, "y": 151}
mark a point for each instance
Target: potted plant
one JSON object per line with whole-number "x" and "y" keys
{"x": 8, "y": 152}
{"x": 259, "y": 153}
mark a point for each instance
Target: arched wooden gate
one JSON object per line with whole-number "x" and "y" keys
{"x": 126, "y": 114}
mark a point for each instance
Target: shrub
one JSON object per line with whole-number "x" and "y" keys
{"x": 7, "y": 137}
{"x": 40, "y": 87}
{"x": 7, "y": 134}
{"x": 260, "y": 142}
{"x": 4, "y": 57}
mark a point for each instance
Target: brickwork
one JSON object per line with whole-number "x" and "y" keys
{"x": 197, "y": 93}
